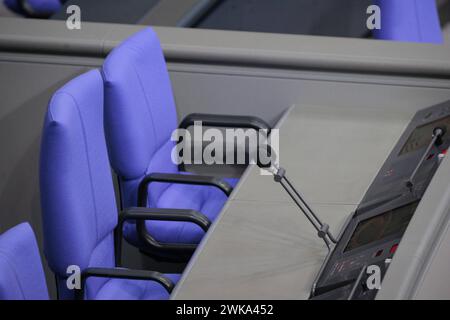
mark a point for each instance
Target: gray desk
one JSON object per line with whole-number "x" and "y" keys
{"x": 261, "y": 246}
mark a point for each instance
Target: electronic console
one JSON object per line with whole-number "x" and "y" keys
{"x": 375, "y": 229}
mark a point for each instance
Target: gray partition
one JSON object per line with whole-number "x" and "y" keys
{"x": 211, "y": 71}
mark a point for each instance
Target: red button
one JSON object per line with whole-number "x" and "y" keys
{"x": 393, "y": 248}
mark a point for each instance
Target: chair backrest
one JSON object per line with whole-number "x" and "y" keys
{"x": 409, "y": 20}
{"x": 36, "y": 6}
{"x": 21, "y": 273}
{"x": 77, "y": 193}
{"x": 13, "y": 5}
{"x": 140, "y": 113}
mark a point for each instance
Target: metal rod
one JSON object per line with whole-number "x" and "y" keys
{"x": 300, "y": 206}
{"x": 312, "y": 219}
{"x": 312, "y": 213}
{"x": 437, "y": 134}
{"x": 303, "y": 201}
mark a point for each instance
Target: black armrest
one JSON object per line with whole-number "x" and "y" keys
{"x": 179, "y": 179}
{"x": 224, "y": 121}
{"x": 157, "y": 214}
{"x": 119, "y": 273}
{"x": 160, "y": 214}
{"x": 25, "y": 7}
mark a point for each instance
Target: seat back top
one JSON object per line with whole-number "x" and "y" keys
{"x": 77, "y": 193}
{"x": 38, "y": 7}
{"x": 140, "y": 112}
{"x": 21, "y": 273}
{"x": 409, "y": 20}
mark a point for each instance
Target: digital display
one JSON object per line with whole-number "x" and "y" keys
{"x": 422, "y": 135}
{"x": 382, "y": 226}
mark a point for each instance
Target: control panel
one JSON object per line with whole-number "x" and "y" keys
{"x": 374, "y": 232}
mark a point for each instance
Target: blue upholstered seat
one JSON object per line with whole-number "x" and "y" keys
{"x": 409, "y": 20}
{"x": 140, "y": 116}
{"x": 21, "y": 273}
{"x": 37, "y": 7}
{"x": 77, "y": 195}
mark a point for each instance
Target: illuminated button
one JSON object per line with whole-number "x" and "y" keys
{"x": 393, "y": 248}
{"x": 442, "y": 155}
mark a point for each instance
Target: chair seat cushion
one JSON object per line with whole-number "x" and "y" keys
{"x": 124, "y": 289}
{"x": 205, "y": 199}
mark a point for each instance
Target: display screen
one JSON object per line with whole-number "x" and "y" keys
{"x": 382, "y": 226}
{"x": 422, "y": 135}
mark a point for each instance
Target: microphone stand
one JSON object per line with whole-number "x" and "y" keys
{"x": 323, "y": 229}
{"x": 436, "y": 140}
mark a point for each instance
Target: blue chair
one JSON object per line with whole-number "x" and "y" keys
{"x": 409, "y": 20}
{"x": 81, "y": 224}
{"x": 140, "y": 117}
{"x": 34, "y": 8}
{"x": 21, "y": 273}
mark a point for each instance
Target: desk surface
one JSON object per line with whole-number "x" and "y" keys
{"x": 261, "y": 246}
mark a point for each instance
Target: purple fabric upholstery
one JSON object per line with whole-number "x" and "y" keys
{"x": 21, "y": 273}
{"x": 409, "y": 20}
{"x": 37, "y": 6}
{"x": 140, "y": 116}
{"x": 117, "y": 289}
{"x": 77, "y": 194}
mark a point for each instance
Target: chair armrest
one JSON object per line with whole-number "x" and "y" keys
{"x": 119, "y": 273}
{"x": 160, "y": 214}
{"x": 179, "y": 179}
{"x": 224, "y": 121}
{"x": 140, "y": 215}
